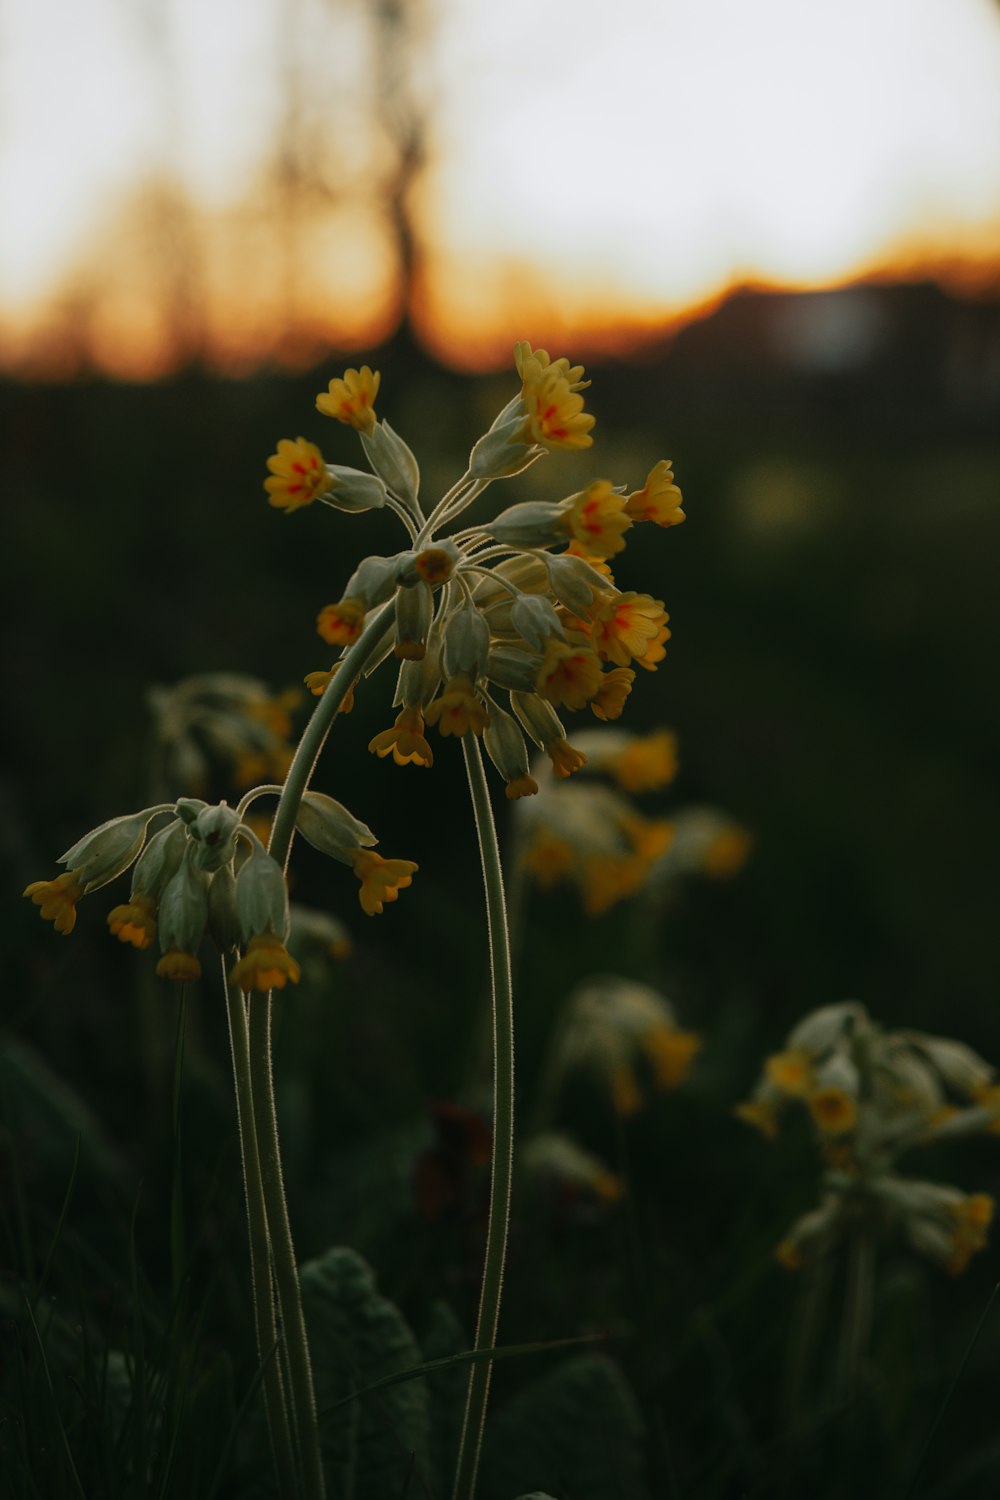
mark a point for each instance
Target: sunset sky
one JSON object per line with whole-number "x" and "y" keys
{"x": 585, "y": 165}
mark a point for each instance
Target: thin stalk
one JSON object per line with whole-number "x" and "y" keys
{"x": 283, "y": 1262}
{"x": 471, "y": 1438}
{"x": 260, "y": 1102}
{"x": 260, "y": 1267}
{"x": 859, "y": 1300}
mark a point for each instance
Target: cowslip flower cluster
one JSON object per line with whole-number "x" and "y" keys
{"x": 871, "y": 1095}
{"x": 206, "y": 874}
{"x": 496, "y": 625}
{"x": 592, "y": 834}
{"x": 623, "y": 1033}
{"x": 222, "y": 718}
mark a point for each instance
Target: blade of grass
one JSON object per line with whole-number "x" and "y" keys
{"x": 467, "y": 1357}
{"x": 60, "y": 1427}
{"x": 953, "y": 1387}
{"x": 43, "y": 1278}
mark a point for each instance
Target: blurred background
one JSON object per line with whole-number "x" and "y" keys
{"x": 771, "y": 231}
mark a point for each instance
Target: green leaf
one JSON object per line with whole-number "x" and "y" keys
{"x": 576, "y": 1430}
{"x": 357, "y": 1338}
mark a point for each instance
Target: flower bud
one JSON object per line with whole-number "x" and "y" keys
{"x": 159, "y": 860}
{"x": 213, "y": 837}
{"x": 535, "y": 620}
{"x": 330, "y": 828}
{"x": 514, "y": 669}
{"x": 106, "y": 851}
{"x": 535, "y": 523}
{"x": 373, "y": 581}
{"x": 466, "y": 643}
{"x": 506, "y": 749}
{"x": 353, "y": 490}
{"x": 188, "y": 808}
{"x": 183, "y": 910}
{"x": 573, "y": 581}
{"x": 414, "y": 609}
{"x": 502, "y": 452}
{"x": 540, "y": 720}
{"x": 826, "y": 1026}
{"x": 223, "y": 919}
{"x": 393, "y": 460}
{"x": 262, "y": 897}
{"x": 433, "y": 565}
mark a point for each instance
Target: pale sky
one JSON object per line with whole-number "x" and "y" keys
{"x": 587, "y": 156}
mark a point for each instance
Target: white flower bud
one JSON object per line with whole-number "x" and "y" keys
{"x": 159, "y": 860}
{"x": 513, "y": 669}
{"x": 505, "y": 745}
{"x": 574, "y": 582}
{"x": 822, "y": 1028}
{"x": 213, "y": 836}
{"x": 330, "y": 828}
{"x": 535, "y": 620}
{"x": 223, "y": 920}
{"x": 501, "y": 452}
{"x": 106, "y": 851}
{"x": 183, "y": 910}
{"x": 466, "y": 643}
{"x": 393, "y": 460}
{"x": 352, "y": 490}
{"x": 262, "y": 897}
{"x": 535, "y": 523}
{"x": 961, "y": 1068}
{"x": 373, "y": 581}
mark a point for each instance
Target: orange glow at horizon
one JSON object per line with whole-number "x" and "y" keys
{"x": 594, "y": 189}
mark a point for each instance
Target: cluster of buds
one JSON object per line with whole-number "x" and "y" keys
{"x": 623, "y": 1033}
{"x": 226, "y": 718}
{"x": 592, "y": 834}
{"x": 205, "y": 873}
{"x": 521, "y": 606}
{"x": 871, "y": 1095}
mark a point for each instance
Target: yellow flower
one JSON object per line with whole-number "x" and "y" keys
{"x": 549, "y": 858}
{"x": 458, "y": 709}
{"x": 134, "y": 922}
{"x": 298, "y": 475}
{"x": 727, "y": 853}
{"x": 57, "y": 899}
{"x": 554, "y": 408}
{"x": 624, "y": 1090}
{"x": 791, "y": 1072}
{"x": 176, "y": 964}
{"x": 352, "y": 398}
{"x": 318, "y": 682}
{"x": 655, "y": 651}
{"x": 568, "y": 674}
{"x": 381, "y": 879}
{"x": 606, "y": 879}
{"x": 435, "y": 565}
{"x": 609, "y": 700}
{"x": 565, "y": 760}
{"x": 266, "y": 965}
{"x": 761, "y": 1114}
{"x": 405, "y": 741}
{"x": 596, "y": 519}
{"x": 646, "y": 763}
{"x": 341, "y": 624}
{"x": 659, "y": 499}
{"x": 524, "y": 355}
{"x": 671, "y": 1053}
{"x": 973, "y": 1216}
{"x": 833, "y": 1110}
{"x": 625, "y": 625}
{"x": 521, "y": 786}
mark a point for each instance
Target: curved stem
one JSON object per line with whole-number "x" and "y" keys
{"x": 283, "y": 1262}
{"x": 260, "y": 1269}
{"x": 471, "y": 1438}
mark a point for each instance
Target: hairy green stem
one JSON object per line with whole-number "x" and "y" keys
{"x": 471, "y": 1438}
{"x": 272, "y": 1246}
{"x": 260, "y": 1267}
{"x": 859, "y": 1298}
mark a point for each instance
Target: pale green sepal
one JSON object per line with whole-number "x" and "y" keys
{"x": 213, "y": 835}
{"x": 160, "y": 859}
{"x": 183, "y": 910}
{"x": 393, "y": 460}
{"x": 262, "y": 897}
{"x": 330, "y": 828}
{"x": 106, "y": 851}
{"x": 353, "y": 490}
